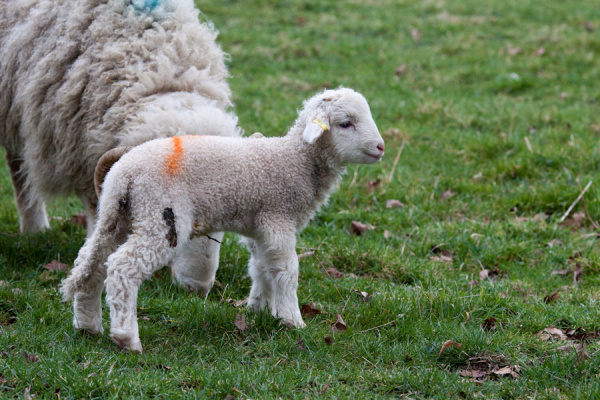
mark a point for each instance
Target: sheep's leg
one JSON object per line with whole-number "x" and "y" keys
{"x": 134, "y": 261}
{"x": 278, "y": 268}
{"x": 87, "y": 278}
{"x": 90, "y": 205}
{"x": 32, "y": 210}
{"x": 261, "y": 292}
{"x": 195, "y": 265}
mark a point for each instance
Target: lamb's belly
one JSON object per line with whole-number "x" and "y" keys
{"x": 243, "y": 226}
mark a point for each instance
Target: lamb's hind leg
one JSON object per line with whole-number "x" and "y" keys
{"x": 89, "y": 273}
{"x": 32, "y": 210}
{"x": 261, "y": 292}
{"x": 134, "y": 261}
{"x": 195, "y": 265}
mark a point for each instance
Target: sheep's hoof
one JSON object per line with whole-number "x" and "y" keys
{"x": 127, "y": 342}
{"x": 88, "y": 329}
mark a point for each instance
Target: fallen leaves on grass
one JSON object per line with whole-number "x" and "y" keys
{"x": 300, "y": 344}
{"x": 489, "y": 324}
{"x": 575, "y": 221}
{"x": 513, "y": 51}
{"x": 334, "y": 273}
{"x": 366, "y": 297}
{"x": 306, "y": 254}
{"x": 555, "y": 243}
{"x": 481, "y": 367}
{"x": 237, "y": 303}
{"x": 328, "y": 340}
{"x": 551, "y": 333}
{"x": 358, "y": 228}
{"x": 401, "y": 70}
{"x": 540, "y": 52}
{"x": 30, "y": 358}
{"x": 552, "y": 297}
{"x": 447, "y": 194}
{"x": 473, "y": 283}
{"x": 56, "y": 266}
{"x": 240, "y": 322}
{"x": 309, "y": 310}
{"x": 394, "y": 204}
{"x": 339, "y": 325}
{"x": 491, "y": 273}
{"x": 415, "y": 34}
{"x": 373, "y": 185}
{"x": 80, "y": 219}
{"x": 441, "y": 255}
{"x": 449, "y": 343}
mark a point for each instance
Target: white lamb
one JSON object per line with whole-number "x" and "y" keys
{"x": 164, "y": 192}
{"x": 79, "y": 78}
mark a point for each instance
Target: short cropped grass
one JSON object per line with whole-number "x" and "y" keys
{"x": 496, "y": 107}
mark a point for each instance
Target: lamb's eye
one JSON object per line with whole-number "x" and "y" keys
{"x": 346, "y": 124}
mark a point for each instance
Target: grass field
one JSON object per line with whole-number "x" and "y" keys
{"x": 495, "y": 107}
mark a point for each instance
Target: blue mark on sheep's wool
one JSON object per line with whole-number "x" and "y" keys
{"x": 157, "y": 8}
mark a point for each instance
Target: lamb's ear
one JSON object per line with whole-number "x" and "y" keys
{"x": 315, "y": 128}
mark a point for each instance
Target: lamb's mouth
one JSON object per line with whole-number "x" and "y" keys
{"x": 376, "y": 157}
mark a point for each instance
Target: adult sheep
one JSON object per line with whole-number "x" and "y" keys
{"x": 79, "y": 78}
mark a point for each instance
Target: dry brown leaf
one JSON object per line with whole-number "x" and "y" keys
{"x": 560, "y": 272}
{"x": 306, "y": 254}
{"x": 373, "y": 185}
{"x": 491, "y": 273}
{"x": 339, "y": 325}
{"x": 27, "y": 393}
{"x": 551, "y": 333}
{"x": 17, "y": 291}
{"x": 366, "y": 297}
{"x": 468, "y": 316}
{"x": 513, "y": 51}
{"x": 577, "y": 273}
{"x": 309, "y": 310}
{"x": 80, "y": 219}
{"x": 387, "y": 235}
{"x": 56, "y": 266}
{"x": 575, "y": 221}
{"x": 511, "y": 370}
{"x": 552, "y": 297}
{"x": 540, "y": 52}
{"x": 473, "y": 283}
{"x": 441, "y": 258}
{"x": 358, "y": 228}
{"x": 240, "y": 322}
{"x": 473, "y": 373}
{"x": 401, "y": 70}
{"x": 415, "y": 34}
{"x": 588, "y": 26}
{"x": 237, "y": 303}
{"x": 394, "y": 204}
{"x": 301, "y": 345}
{"x": 30, "y": 358}
{"x": 449, "y": 343}
{"x": 447, "y": 194}
{"x": 334, "y": 273}
{"x": 489, "y": 324}
{"x": 328, "y": 340}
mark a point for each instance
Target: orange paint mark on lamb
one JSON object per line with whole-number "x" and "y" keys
{"x": 175, "y": 158}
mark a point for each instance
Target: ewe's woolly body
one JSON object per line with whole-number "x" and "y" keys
{"x": 162, "y": 193}
{"x": 78, "y": 78}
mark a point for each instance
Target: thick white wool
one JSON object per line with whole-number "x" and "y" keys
{"x": 164, "y": 193}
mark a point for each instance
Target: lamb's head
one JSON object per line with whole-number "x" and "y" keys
{"x": 341, "y": 120}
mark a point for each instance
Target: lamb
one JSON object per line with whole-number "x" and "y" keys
{"x": 79, "y": 78}
{"x": 166, "y": 191}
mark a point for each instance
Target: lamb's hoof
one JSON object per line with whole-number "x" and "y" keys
{"x": 88, "y": 329}
{"x": 299, "y": 324}
{"x": 127, "y": 342}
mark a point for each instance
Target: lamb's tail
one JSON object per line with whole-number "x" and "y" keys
{"x": 110, "y": 231}
{"x": 106, "y": 161}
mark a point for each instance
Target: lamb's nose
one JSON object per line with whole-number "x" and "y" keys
{"x": 381, "y": 147}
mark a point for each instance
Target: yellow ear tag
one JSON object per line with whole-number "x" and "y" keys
{"x": 321, "y": 124}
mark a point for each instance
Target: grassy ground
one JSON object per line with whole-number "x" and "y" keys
{"x": 495, "y": 107}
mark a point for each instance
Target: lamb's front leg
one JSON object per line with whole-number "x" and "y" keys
{"x": 278, "y": 267}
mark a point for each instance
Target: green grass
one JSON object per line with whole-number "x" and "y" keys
{"x": 465, "y": 106}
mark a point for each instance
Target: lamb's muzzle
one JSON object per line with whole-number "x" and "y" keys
{"x": 168, "y": 191}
